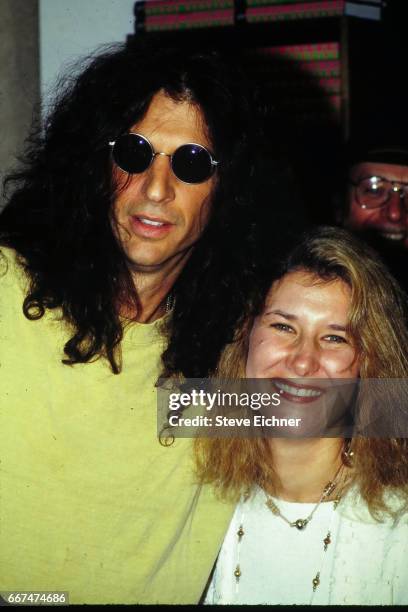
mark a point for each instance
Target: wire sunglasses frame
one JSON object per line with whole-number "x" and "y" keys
{"x": 192, "y": 173}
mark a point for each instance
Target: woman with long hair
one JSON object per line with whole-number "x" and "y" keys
{"x": 322, "y": 519}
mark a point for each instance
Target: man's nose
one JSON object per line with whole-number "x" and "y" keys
{"x": 395, "y": 208}
{"x": 304, "y": 358}
{"x": 159, "y": 180}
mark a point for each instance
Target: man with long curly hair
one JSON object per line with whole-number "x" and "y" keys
{"x": 125, "y": 252}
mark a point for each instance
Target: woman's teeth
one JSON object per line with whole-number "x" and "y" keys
{"x": 298, "y": 391}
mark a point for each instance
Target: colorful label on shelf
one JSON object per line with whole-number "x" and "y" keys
{"x": 273, "y": 2}
{"x": 189, "y": 20}
{"x": 157, "y": 7}
{"x": 307, "y": 52}
{"x": 299, "y": 10}
{"x": 307, "y": 80}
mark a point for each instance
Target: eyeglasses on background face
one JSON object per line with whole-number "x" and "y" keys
{"x": 190, "y": 163}
{"x": 375, "y": 191}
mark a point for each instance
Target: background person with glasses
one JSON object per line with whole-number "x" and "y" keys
{"x": 372, "y": 200}
{"x": 378, "y": 195}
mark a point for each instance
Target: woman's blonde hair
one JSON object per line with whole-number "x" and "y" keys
{"x": 378, "y": 327}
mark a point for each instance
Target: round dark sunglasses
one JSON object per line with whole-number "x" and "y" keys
{"x": 190, "y": 163}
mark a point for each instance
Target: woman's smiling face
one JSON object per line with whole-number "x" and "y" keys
{"x": 301, "y": 332}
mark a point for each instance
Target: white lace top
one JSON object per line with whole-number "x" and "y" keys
{"x": 366, "y": 562}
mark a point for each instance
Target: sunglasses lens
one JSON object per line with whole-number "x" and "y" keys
{"x": 192, "y": 164}
{"x": 132, "y": 153}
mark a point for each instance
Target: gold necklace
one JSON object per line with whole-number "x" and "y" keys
{"x": 169, "y": 302}
{"x": 301, "y": 523}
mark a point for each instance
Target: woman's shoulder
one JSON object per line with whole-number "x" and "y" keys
{"x": 354, "y": 508}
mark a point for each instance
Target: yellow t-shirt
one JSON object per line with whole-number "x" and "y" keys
{"x": 90, "y": 502}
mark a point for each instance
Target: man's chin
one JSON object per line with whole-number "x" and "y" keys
{"x": 397, "y": 238}
{"x": 383, "y": 239}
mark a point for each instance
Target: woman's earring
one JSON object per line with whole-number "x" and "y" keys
{"x": 347, "y": 454}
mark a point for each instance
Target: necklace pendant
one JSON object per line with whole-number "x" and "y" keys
{"x": 237, "y": 573}
{"x": 299, "y": 524}
{"x": 316, "y": 581}
{"x": 327, "y": 540}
